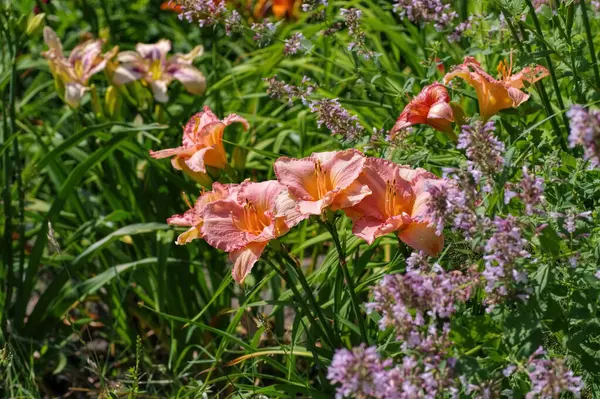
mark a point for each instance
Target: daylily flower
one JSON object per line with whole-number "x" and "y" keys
{"x": 323, "y": 180}
{"x": 430, "y": 107}
{"x": 74, "y": 72}
{"x": 202, "y": 143}
{"x": 193, "y": 217}
{"x": 150, "y": 63}
{"x": 244, "y": 223}
{"x": 280, "y": 8}
{"x": 398, "y": 203}
{"x": 496, "y": 94}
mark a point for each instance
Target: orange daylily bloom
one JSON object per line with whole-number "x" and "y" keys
{"x": 496, "y": 94}
{"x": 193, "y": 217}
{"x": 170, "y": 5}
{"x": 280, "y": 8}
{"x": 202, "y": 143}
{"x": 430, "y": 107}
{"x": 243, "y": 223}
{"x": 398, "y": 204}
{"x": 325, "y": 180}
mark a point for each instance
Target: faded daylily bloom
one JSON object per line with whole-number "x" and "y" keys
{"x": 496, "y": 94}
{"x": 202, "y": 143}
{"x": 74, "y": 72}
{"x": 398, "y": 203}
{"x": 430, "y": 107}
{"x": 323, "y": 180}
{"x": 150, "y": 63}
{"x": 245, "y": 222}
{"x": 193, "y": 217}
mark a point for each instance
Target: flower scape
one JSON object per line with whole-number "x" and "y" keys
{"x": 300, "y": 199}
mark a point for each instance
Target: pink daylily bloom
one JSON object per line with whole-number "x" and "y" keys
{"x": 202, "y": 143}
{"x": 74, "y": 72}
{"x": 430, "y": 107}
{"x": 245, "y": 222}
{"x": 193, "y": 217}
{"x": 323, "y": 180}
{"x": 150, "y": 63}
{"x": 398, "y": 203}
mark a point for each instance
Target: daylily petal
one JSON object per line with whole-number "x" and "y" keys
{"x": 126, "y": 73}
{"x": 222, "y": 226}
{"x": 244, "y": 259}
{"x": 431, "y": 106}
{"x": 286, "y": 212}
{"x": 297, "y": 175}
{"x": 422, "y": 238}
{"x": 343, "y": 167}
{"x": 369, "y": 228}
{"x": 196, "y": 161}
{"x": 527, "y": 74}
{"x": 171, "y": 151}
{"x": 159, "y": 90}
{"x": 155, "y": 51}
{"x": 188, "y": 58}
{"x": 73, "y": 93}
{"x": 192, "y": 79}
{"x": 53, "y": 41}
{"x": 262, "y": 194}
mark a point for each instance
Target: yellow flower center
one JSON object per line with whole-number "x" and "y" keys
{"x": 156, "y": 69}
{"x": 251, "y": 221}
{"x": 78, "y": 68}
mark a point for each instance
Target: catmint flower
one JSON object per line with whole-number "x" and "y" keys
{"x": 597, "y": 274}
{"x": 357, "y": 372}
{"x": 352, "y": 20}
{"x": 549, "y": 378}
{"x": 263, "y": 32}
{"x": 293, "y": 44}
{"x": 460, "y": 30}
{"x": 502, "y": 251}
{"x": 529, "y": 190}
{"x": 337, "y": 119}
{"x": 204, "y": 12}
{"x": 509, "y": 370}
{"x": 233, "y": 22}
{"x": 280, "y": 90}
{"x": 484, "y": 150}
{"x": 426, "y": 11}
{"x": 585, "y": 131}
{"x": 312, "y": 5}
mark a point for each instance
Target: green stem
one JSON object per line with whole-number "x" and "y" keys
{"x": 538, "y": 85}
{"x": 590, "y": 39}
{"x": 538, "y": 29}
{"x": 311, "y": 298}
{"x": 284, "y": 275}
{"x": 349, "y": 282}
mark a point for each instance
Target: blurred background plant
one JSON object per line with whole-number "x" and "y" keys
{"x": 97, "y": 300}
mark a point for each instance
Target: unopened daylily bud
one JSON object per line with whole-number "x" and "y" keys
{"x": 34, "y": 22}
{"x": 111, "y": 101}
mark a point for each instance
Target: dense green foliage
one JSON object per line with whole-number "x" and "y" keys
{"x": 96, "y": 299}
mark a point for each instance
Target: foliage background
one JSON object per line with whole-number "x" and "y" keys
{"x": 96, "y": 298}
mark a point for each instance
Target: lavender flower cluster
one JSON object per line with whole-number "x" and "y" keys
{"x": 204, "y": 12}
{"x": 426, "y": 11}
{"x": 585, "y": 131}
{"x": 502, "y": 251}
{"x": 281, "y": 90}
{"x": 263, "y": 32}
{"x": 412, "y": 304}
{"x": 352, "y": 19}
{"x": 337, "y": 119}
{"x": 550, "y": 378}
{"x": 530, "y": 190}
{"x": 456, "y": 203}
{"x": 293, "y": 44}
{"x": 484, "y": 150}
